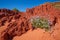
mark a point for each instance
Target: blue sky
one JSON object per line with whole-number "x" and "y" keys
{"x": 22, "y": 4}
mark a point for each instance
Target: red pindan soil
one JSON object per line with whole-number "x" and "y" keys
{"x": 16, "y": 25}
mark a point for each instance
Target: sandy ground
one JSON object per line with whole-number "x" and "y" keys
{"x": 37, "y": 34}
{"x": 40, "y": 34}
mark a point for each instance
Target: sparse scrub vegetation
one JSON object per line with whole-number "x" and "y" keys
{"x": 40, "y": 23}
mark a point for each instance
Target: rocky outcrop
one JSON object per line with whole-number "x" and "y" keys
{"x": 19, "y": 22}
{"x": 45, "y": 10}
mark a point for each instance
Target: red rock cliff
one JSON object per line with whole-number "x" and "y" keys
{"x": 17, "y": 23}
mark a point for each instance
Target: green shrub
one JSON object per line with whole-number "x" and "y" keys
{"x": 40, "y": 23}
{"x": 15, "y": 9}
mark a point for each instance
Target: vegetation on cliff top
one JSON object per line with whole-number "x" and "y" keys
{"x": 56, "y": 5}
{"x": 15, "y": 9}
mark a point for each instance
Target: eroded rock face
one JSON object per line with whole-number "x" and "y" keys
{"x": 18, "y": 22}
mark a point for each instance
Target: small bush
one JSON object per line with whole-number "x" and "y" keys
{"x": 40, "y": 23}
{"x": 15, "y": 9}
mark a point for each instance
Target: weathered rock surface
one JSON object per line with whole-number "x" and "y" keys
{"x": 17, "y": 23}
{"x": 14, "y": 23}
